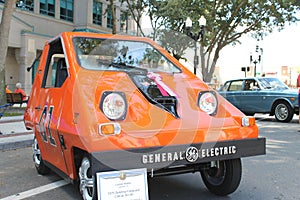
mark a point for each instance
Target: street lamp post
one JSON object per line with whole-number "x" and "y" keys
{"x": 256, "y": 59}
{"x": 196, "y": 37}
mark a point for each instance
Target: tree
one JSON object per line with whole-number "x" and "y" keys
{"x": 113, "y": 15}
{"x": 136, "y": 10}
{"x": 4, "y": 35}
{"x": 227, "y": 21}
{"x": 174, "y": 42}
{"x": 153, "y": 7}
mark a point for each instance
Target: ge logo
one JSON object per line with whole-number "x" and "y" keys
{"x": 191, "y": 154}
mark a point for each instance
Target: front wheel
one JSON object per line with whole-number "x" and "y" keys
{"x": 86, "y": 180}
{"x": 37, "y": 159}
{"x": 283, "y": 112}
{"x": 223, "y": 177}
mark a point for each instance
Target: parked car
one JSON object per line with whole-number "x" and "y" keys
{"x": 108, "y": 103}
{"x": 262, "y": 95}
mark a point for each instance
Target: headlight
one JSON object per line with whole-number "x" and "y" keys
{"x": 114, "y": 105}
{"x": 207, "y": 102}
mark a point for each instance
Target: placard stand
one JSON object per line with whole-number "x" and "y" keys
{"x": 123, "y": 185}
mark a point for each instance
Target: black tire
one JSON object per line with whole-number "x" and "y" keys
{"x": 249, "y": 113}
{"x": 86, "y": 182}
{"x": 225, "y": 179}
{"x": 283, "y": 111}
{"x": 38, "y": 160}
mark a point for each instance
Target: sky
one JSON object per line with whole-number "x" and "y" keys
{"x": 279, "y": 49}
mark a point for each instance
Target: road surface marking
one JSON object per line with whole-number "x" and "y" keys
{"x": 35, "y": 191}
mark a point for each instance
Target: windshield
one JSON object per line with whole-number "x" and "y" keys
{"x": 272, "y": 83}
{"x": 120, "y": 55}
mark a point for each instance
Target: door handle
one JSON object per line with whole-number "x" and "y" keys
{"x": 38, "y": 108}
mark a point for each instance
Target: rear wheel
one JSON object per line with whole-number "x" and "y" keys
{"x": 86, "y": 180}
{"x": 283, "y": 112}
{"x": 223, "y": 177}
{"x": 38, "y": 160}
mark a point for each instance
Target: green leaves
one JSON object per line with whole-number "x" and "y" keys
{"x": 227, "y": 21}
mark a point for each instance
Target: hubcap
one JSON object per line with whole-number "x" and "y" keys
{"x": 36, "y": 153}
{"x": 281, "y": 112}
{"x": 86, "y": 181}
{"x": 216, "y": 175}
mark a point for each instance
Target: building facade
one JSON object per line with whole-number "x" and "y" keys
{"x": 35, "y": 21}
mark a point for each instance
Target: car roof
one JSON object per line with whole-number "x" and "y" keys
{"x": 248, "y": 78}
{"x": 102, "y": 35}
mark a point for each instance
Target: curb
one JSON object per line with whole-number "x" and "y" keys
{"x": 16, "y": 141}
{"x": 11, "y": 119}
{"x": 16, "y": 145}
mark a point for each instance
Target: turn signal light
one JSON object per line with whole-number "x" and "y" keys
{"x": 248, "y": 121}
{"x": 109, "y": 129}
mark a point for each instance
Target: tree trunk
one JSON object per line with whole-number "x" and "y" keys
{"x": 203, "y": 66}
{"x": 4, "y": 35}
{"x": 135, "y": 12}
{"x": 208, "y": 62}
{"x": 114, "y": 18}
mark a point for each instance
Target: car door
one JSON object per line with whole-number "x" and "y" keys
{"x": 48, "y": 107}
{"x": 233, "y": 92}
{"x": 251, "y": 99}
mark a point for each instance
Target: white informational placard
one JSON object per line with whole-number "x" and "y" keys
{"x": 122, "y": 185}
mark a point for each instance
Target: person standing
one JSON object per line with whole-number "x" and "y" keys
{"x": 19, "y": 90}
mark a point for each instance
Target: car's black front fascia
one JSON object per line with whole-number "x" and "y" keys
{"x": 170, "y": 158}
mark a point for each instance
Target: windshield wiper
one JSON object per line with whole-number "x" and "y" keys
{"x": 128, "y": 68}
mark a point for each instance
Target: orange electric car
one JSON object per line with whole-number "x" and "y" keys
{"x": 103, "y": 103}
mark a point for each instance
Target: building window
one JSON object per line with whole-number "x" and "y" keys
{"x": 66, "y": 10}
{"x": 97, "y": 12}
{"x": 109, "y": 18}
{"x": 124, "y": 22}
{"x": 47, "y": 7}
{"x": 25, "y": 4}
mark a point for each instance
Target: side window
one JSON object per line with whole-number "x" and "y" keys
{"x": 251, "y": 85}
{"x": 34, "y": 67}
{"x": 236, "y": 86}
{"x": 247, "y": 85}
{"x": 56, "y": 69}
{"x": 225, "y": 86}
{"x": 254, "y": 85}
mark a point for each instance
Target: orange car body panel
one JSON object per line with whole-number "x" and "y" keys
{"x": 76, "y": 114}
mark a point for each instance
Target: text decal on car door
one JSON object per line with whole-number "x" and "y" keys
{"x": 44, "y": 125}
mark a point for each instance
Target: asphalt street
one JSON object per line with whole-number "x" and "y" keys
{"x": 274, "y": 176}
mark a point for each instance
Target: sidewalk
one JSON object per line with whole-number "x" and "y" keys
{"x": 14, "y": 134}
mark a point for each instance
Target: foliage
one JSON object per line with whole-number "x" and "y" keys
{"x": 136, "y": 10}
{"x": 227, "y": 21}
{"x": 174, "y": 42}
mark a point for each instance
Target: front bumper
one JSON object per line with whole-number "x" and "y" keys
{"x": 176, "y": 159}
